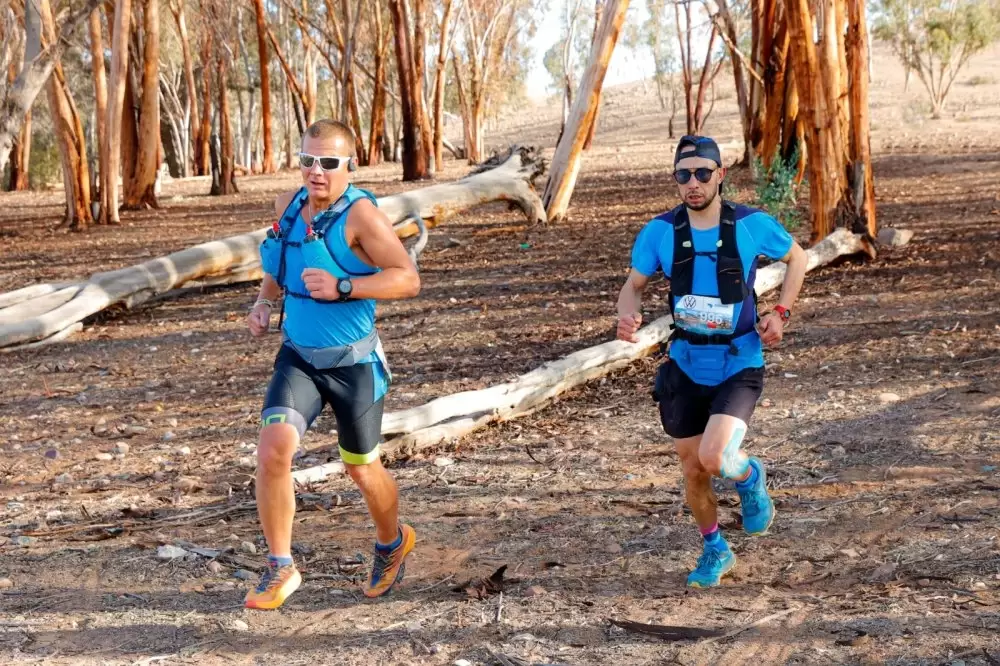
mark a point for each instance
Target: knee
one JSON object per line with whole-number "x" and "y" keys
{"x": 711, "y": 460}
{"x": 692, "y": 467}
{"x": 277, "y": 446}
{"x": 365, "y": 475}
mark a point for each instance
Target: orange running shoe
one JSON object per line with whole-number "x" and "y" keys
{"x": 389, "y": 566}
{"x": 276, "y": 585}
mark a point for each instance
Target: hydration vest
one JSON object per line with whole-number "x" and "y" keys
{"x": 317, "y": 251}
{"x": 728, "y": 270}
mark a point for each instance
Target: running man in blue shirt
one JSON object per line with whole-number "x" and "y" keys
{"x": 708, "y": 387}
{"x": 331, "y": 255}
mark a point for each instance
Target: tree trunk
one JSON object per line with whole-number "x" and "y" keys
{"x": 598, "y": 9}
{"x": 376, "y": 137}
{"x": 191, "y": 95}
{"x": 414, "y": 159}
{"x": 686, "y": 68}
{"x": 419, "y": 98}
{"x": 227, "y": 161}
{"x": 20, "y": 151}
{"x": 140, "y": 188}
{"x": 777, "y": 89}
{"x": 860, "y": 160}
{"x": 69, "y": 135}
{"x": 100, "y": 92}
{"x": 707, "y": 77}
{"x": 116, "y": 106}
{"x": 203, "y": 156}
{"x": 439, "y": 79}
{"x": 350, "y": 111}
{"x": 268, "y": 164}
{"x": 739, "y": 78}
{"x": 463, "y": 105}
{"x": 566, "y": 161}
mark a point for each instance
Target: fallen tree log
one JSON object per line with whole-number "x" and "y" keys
{"x": 453, "y": 416}
{"x": 39, "y": 312}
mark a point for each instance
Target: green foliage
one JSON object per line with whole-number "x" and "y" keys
{"x": 935, "y": 39}
{"x": 776, "y": 189}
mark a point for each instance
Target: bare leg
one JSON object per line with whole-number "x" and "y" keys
{"x": 275, "y": 491}
{"x": 720, "y": 453}
{"x": 382, "y": 497}
{"x": 698, "y": 484}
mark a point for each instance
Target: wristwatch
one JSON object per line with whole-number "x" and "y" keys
{"x": 344, "y": 289}
{"x": 783, "y": 312}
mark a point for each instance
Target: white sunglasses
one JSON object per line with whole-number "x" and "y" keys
{"x": 327, "y": 163}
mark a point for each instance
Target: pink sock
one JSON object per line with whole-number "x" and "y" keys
{"x": 705, "y": 531}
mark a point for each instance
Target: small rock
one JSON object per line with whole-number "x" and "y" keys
{"x": 215, "y": 567}
{"x": 15, "y": 506}
{"x": 443, "y": 462}
{"x": 186, "y": 485}
{"x": 765, "y": 403}
{"x": 246, "y": 462}
{"x": 892, "y": 237}
{"x": 101, "y": 483}
{"x": 6, "y": 583}
{"x": 838, "y": 452}
{"x": 414, "y": 627}
{"x": 979, "y": 585}
{"x": 149, "y": 396}
{"x": 136, "y": 429}
{"x": 462, "y": 662}
{"x": 159, "y": 476}
{"x": 122, "y": 448}
{"x": 851, "y": 553}
{"x": 23, "y": 541}
{"x": 52, "y": 454}
{"x": 187, "y": 334}
{"x": 454, "y": 242}
{"x": 248, "y": 547}
{"x": 301, "y": 549}
{"x": 243, "y": 574}
{"x": 53, "y": 515}
{"x": 167, "y": 436}
{"x": 172, "y": 423}
{"x": 240, "y": 625}
{"x": 612, "y": 548}
{"x": 169, "y": 552}
{"x": 884, "y": 573}
{"x": 888, "y": 398}
{"x": 66, "y": 477}
{"x": 660, "y": 532}
{"x": 104, "y": 457}
{"x": 184, "y": 450}
{"x": 535, "y": 591}
{"x": 631, "y": 477}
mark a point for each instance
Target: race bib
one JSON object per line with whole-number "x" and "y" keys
{"x": 704, "y": 314}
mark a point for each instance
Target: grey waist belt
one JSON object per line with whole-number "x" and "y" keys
{"x": 340, "y": 356}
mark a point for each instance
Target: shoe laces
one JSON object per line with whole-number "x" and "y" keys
{"x": 710, "y": 559}
{"x": 269, "y": 579}
{"x": 383, "y": 559}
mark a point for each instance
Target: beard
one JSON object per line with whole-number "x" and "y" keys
{"x": 705, "y": 202}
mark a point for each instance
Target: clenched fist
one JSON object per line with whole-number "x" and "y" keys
{"x": 628, "y": 325}
{"x": 259, "y": 319}
{"x": 771, "y": 329}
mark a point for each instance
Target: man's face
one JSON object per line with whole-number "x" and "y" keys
{"x": 696, "y": 194}
{"x": 324, "y": 184}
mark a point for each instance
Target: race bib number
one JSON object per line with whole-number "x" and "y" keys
{"x": 704, "y": 314}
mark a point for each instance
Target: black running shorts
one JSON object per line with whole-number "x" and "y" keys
{"x": 298, "y": 392}
{"x": 686, "y": 406}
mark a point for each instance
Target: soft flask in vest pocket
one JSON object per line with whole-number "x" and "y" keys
{"x": 315, "y": 254}
{"x": 270, "y": 251}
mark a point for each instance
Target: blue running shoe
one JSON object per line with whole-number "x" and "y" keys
{"x": 755, "y": 504}
{"x": 715, "y": 562}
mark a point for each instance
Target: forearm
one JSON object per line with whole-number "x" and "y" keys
{"x": 389, "y": 284}
{"x": 269, "y": 289}
{"x": 795, "y": 274}
{"x": 629, "y": 300}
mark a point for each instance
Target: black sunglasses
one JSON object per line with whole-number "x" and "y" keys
{"x": 306, "y": 161}
{"x": 703, "y": 174}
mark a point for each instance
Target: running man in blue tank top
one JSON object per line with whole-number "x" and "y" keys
{"x": 708, "y": 387}
{"x": 331, "y": 255}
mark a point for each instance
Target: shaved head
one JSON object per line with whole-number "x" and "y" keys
{"x": 329, "y": 130}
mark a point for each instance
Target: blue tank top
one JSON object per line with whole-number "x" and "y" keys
{"x": 312, "y": 323}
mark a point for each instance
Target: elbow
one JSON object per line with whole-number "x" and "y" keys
{"x": 412, "y": 284}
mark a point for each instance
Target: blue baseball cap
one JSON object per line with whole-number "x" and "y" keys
{"x": 703, "y": 147}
